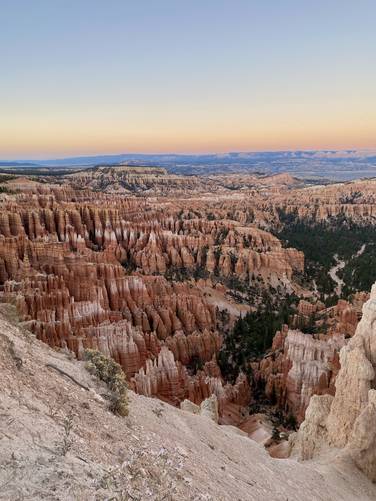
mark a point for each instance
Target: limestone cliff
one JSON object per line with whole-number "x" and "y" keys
{"x": 299, "y": 364}
{"x": 348, "y": 420}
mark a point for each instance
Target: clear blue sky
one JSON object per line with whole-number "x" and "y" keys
{"x": 90, "y": 76}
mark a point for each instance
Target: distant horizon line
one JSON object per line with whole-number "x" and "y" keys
{"x": 181, "y": 154}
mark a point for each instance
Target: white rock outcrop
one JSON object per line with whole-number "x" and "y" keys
{"x": 362, "y": 443}
{"x": 347, "y": 420}
{"x": 208, "y": 408}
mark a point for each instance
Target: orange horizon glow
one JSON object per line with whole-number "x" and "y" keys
{"x": 73, "y": 148}
{"x": 90, "y": 78}
{"x": 25, "y": 141}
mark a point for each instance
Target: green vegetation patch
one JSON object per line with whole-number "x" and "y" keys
{"x": 321, "y": 241}
{"x": 252, "y": 336}
{"x": 112, "y": 374}
{"x": 359, "y": 274}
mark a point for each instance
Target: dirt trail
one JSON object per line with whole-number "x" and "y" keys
{"x": 340, "y": 264}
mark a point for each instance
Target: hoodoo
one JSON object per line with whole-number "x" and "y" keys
{"x": 347, "y": 420}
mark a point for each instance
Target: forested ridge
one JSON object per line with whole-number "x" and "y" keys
{"x": 321, "y": 241}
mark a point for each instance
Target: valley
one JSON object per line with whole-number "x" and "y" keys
{"x": 242, "y": 288}
{"x": 187, "y": 251}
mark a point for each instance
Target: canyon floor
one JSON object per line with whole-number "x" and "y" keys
{"x": 158, "y": 452}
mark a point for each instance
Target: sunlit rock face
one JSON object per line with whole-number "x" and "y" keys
{"x": 112, "y": 269}
{"x": 87, "y": 270}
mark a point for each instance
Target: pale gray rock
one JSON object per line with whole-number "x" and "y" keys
{"x": 347, "y": 421}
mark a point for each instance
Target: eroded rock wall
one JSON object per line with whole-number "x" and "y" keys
{"x": 299, "y": 364}
{"x": 347, "y": 421}
{"x": 86, "y": 270}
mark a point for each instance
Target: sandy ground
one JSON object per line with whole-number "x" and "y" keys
{"x": 218, "y": 298}
{"x": 340, "y": 264}
{"x": 158, "y": 452}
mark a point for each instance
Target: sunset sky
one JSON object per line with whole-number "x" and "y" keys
{"x": 92, "y": 76}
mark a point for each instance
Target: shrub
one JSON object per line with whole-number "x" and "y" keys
{"x": 4, "y": 189}
{"x": 112, "y": 374}
{"x": 67, "y": 440}
{"x": 291, "y": 422}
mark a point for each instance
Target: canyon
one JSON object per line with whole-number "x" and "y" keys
{"x": 156, "y": 270}
{"x": 88, "y": 270}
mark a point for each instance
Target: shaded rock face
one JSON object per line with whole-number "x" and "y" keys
{"x": 355, "y": 201}
{"x": 312, "y": 371}
{"x": 348, "y": 420}
{"x": 300, "y": 365}
{"x": 125, "y": 178}
{"x": 169, "y": 380}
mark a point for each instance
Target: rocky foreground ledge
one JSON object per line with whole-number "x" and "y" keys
{"x": 58, "y": 441}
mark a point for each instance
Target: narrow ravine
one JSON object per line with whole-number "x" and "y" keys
{"x": 340, "y": 264}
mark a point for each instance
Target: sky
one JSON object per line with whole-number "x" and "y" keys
{"x": 81, "y": 77}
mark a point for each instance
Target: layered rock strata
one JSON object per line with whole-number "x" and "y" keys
{"x": 87, "y": 271}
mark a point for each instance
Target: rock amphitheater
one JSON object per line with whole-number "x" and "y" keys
{"x": 139, "y": 265}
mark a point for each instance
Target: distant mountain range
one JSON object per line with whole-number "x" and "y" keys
{"x": 330, "y": 164}
{"x": 17, "y": 163}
